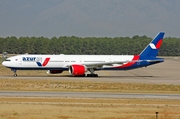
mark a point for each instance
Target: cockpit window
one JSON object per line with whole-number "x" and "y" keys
{"x": 8, "y": 60}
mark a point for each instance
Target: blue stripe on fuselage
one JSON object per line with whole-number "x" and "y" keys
{"x": 143, "y": 62}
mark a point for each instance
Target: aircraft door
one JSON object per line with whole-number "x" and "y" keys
{"x": 18, "y": 61}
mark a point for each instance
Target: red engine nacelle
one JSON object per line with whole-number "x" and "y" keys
{"x": 77, "y": 70}
{"x": 54, "y": 71}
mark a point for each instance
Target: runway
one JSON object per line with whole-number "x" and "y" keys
{"x": 88, "y": 95}
{"x": 113, "y": 79}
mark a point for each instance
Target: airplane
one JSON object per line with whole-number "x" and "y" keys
{"x": 79, "y": 65}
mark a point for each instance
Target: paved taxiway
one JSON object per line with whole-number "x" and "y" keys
{"x": 163, "y": 73}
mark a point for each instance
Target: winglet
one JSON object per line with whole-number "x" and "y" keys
{"x": 152, "y": 48}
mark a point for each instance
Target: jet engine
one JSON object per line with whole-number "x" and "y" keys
{"x": 54, "y": 71}
{"x": 77, "y": 70}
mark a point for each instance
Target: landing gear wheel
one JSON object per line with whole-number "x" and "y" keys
{"x": 14, "y": 70}
{"x": 96, "y": 75}
{"x": 92, "y": 75}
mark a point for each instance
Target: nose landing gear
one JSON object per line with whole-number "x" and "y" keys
{"x": 14, "y": 70}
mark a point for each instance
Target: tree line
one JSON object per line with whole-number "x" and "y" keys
{"x": 87, "y": 45}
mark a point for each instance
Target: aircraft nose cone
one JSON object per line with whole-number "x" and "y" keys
{"x": 4, "y": 63}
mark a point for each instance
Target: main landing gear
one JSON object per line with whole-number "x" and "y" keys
{"x": 92, "y": 74}
{"x": 14, "y": 70}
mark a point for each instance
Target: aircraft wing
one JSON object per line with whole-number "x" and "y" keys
{"x": 101, "y": 64}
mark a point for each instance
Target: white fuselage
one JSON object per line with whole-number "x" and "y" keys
{"x": 63, "y": 61}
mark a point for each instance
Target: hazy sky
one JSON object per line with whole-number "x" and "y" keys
{"x": 89, "y": 18}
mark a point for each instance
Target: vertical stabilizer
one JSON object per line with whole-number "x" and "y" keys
{"x": 152, "y": 48}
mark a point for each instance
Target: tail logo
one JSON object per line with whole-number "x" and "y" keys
{"x": 44, "y": 63}
{"x": 157, "y": 46}
{"x": 152, "y": 46}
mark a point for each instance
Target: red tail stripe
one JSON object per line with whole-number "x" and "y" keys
{"x": 158, "y": 45}
{"x": 136, "y": 57}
